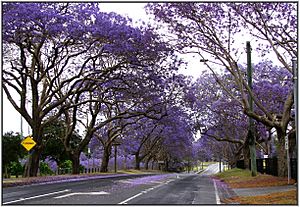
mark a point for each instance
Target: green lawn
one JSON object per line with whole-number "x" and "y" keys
{"x": 239, "y": 178}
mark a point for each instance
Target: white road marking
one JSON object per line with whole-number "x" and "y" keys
{"x": 156, "y": 182}
{"x": 83, "y": 193}
{"x": 145, "y": 191}
{"x": 194, "y": 200}
{"x": 38, "y": 196}
{"x": 124, "y": 202}
{"x": 217, "y": 194}
{"x": 125, "y": 181}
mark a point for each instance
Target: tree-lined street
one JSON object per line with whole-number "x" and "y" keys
{"x": 104, "y": 94}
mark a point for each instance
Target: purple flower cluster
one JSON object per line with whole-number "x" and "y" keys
{"x": 51, "y": 163}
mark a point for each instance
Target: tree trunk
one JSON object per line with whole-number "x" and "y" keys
{"x": 105, "y": 159}
{"x": 32, "y": 164}
{"x": 75, "y": 163}
{"x": 33, "y": 161}
{"x": 246, "y": 152}
{"x": 147, "y": 163}
{"x": 232, "y": 161}
{"x": 152, "y": 167}
{"x": 125, "y": 163}
{"x": 137, "y": 162}
{"x": 6, "y": 171}
{"x": 281, "y": 152}
{"x": 166, "y": 165}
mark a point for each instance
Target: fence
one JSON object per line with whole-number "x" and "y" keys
{"x": 294, "y": 168}
{"x": 63, "y": 171}
{"x": 269, "y": 166}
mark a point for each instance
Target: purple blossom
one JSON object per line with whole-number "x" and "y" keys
{"x": 51, "y": 163}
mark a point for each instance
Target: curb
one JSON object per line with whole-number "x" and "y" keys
{"x": 224, "y": 191}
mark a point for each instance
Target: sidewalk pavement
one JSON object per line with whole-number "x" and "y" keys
{"x": 226, "y": 192}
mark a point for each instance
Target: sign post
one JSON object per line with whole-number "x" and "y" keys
{"x": 287, "y": 156}
{"x": 88, "y": 164}
{"x": 115, "y": 144}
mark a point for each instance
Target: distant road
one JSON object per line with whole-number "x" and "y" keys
{"x": 154, "y": 189}
{"x": 212, "y": 169}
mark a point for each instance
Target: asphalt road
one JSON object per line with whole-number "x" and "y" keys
{"x": 187, "y": 189}
{"x": 213, "y": 169}
{"x": 154, "y": 189}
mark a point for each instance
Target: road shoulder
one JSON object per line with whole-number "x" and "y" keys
{"x": 223, "y": 190}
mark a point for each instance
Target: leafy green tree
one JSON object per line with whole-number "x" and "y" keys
{"x": 54, "y": 148}
{"x": 45, "y": 169}
{"x": 12, "y": 150}
{"x": 16, "y": 168}
{"x": 66, "y": 166}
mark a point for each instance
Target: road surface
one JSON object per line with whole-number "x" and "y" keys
{"x": 151, "y": 189}
{"x": 213, "y": 169}
{"x": 187, "y": 189}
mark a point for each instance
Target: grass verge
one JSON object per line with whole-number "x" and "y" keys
{"x": 282, "y": 198}
{"x": 239, "y": 178}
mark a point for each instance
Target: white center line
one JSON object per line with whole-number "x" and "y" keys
{"x": 38, "y": 196}
{"x": 145, "y": 191}
{"x": 217, "y": 194}
{"x": 124, "y": 202}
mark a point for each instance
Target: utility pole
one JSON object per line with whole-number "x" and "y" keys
{"x": 220, "y": 164}
{"x": 115, "y": 158}
{"x": 251, "y": 133}
{"x": 21, "y": 127}
{"x": 21, "y": 121}
{"x": 295, "y": 70}
{"x": 295, "y": 79}
{"x": 89, "y": 152}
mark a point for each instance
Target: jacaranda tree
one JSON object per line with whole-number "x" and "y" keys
{"x": 212, "y": 31}
{"x": 41, "y": 43}
{"x": 55, "y": 52}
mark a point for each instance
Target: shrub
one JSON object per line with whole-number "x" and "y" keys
{"x": 45, "y": 169}
{"x": 16, "y": 168}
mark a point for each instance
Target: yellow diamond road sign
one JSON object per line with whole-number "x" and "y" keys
{"x": 28, "y": 143}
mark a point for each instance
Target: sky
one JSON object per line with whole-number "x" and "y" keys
{"x": 11, "y": 119}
